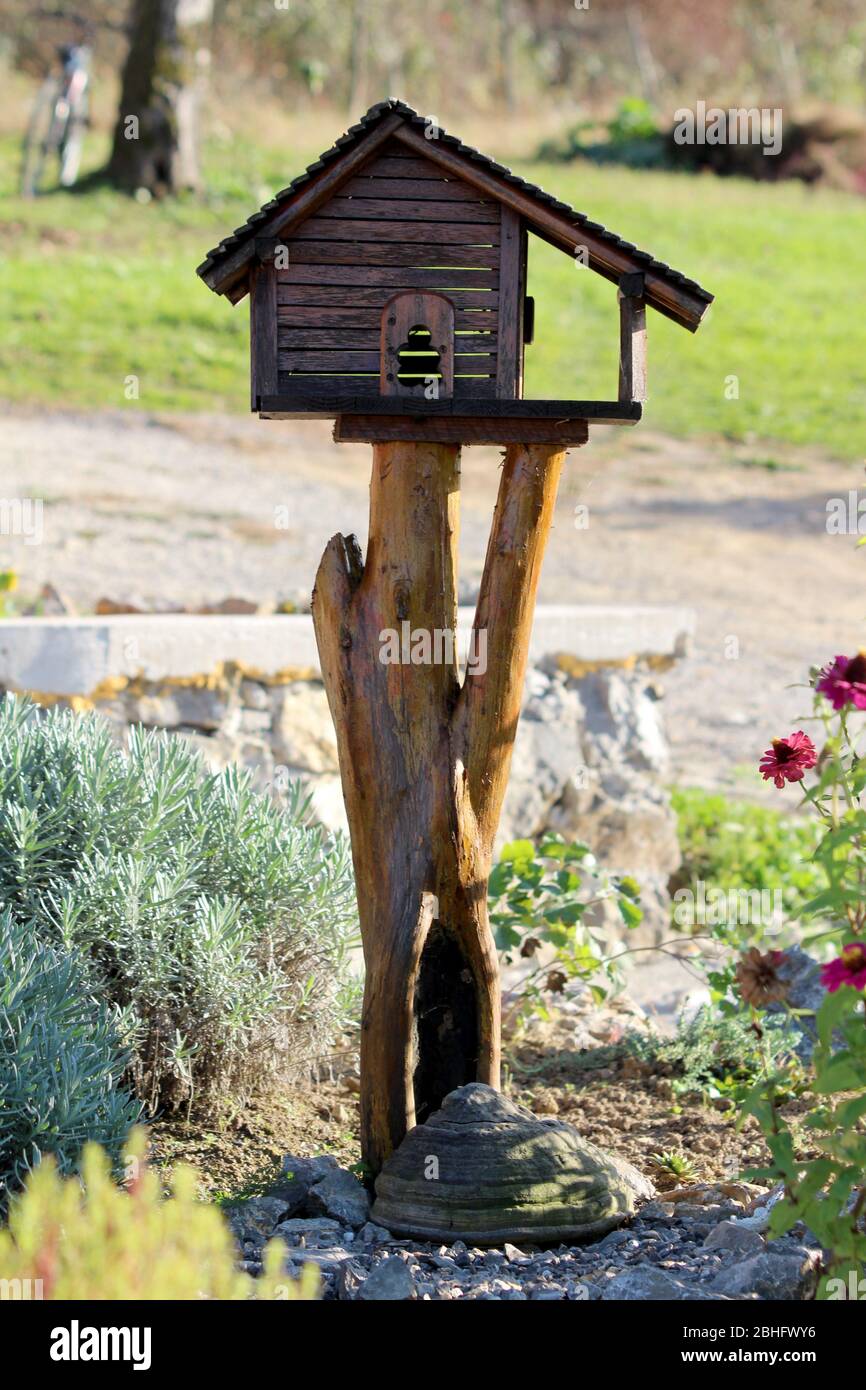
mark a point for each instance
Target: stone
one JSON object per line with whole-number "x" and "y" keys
{"x": 319, "y": 1231}
{"x": 254, "y": 721}
{"x": 488, "y": 1171}
{"x": 304, "y": 737}
{"x": 341, "y": 1196}
{"x": 370, "y": 1234}
{"x": 350, "y": 1276}
{"x": 309, "y": 1170}
{"x": 254, "y": 695}
{"x": 256, "y": 1219}
{"x": 589, "y": 756}
{"x": 696, "y": 1194}
{"x": 191, "y": 706}
{"x": 805, "y": 992}
{"x": 657, "y": 1211}
{"x": 328, "y": 1258}
{"x": 390, "y": 1280}
{"x": 647, "y": 1284}
{"x": 777, "y": 1277}
{"x": 730, "y": 1235}
{"x": 745, "y": 1194}
{"x": 298, "y": 1176}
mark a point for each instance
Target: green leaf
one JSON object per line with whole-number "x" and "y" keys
{"x": 631, "y": 914}
{"x": 518, "y": 852}
{"x": 840, "y": 1073}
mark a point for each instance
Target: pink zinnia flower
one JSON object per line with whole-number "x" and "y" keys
{"x": 844, "y": 681}
{"x": 788, "y": 758}
{"x": 849, "y": 968}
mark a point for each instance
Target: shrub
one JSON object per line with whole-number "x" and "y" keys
{"x": 92, "y": 1240}
{"x": 736, "y": 845}
{"x": 539, "y": 896}
{"x": 718, "y": 1057}
{"x": 60, "y": 1060}
{"x": 757, "y": 870}
{"x": 216, "y": 921}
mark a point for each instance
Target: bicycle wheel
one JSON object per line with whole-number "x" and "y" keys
{"x": 44, "y": 134}
{"x": 70, "y": 152}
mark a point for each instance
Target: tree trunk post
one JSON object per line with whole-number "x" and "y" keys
{"x": 424, "y": 763}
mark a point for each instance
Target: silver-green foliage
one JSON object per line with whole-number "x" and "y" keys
{"x": 61, "y": 1060}
{"x": 216, "y": 921}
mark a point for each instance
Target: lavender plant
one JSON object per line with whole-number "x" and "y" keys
{"x": 61, "y": 1061}
{"x": 217, "y": 922}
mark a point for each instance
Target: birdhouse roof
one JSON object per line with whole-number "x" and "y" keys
{"x": 225, "y": 268}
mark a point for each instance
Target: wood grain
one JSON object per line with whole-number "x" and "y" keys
{"x": 410, "y": 278}
{"x": 349, "y": 360}
{"x": 358, "y": 339}
{"x": 304, "y": 399}
{"x": 383, "y": 229}
{"x": 329, "y": 394}
{"x": 379, "y": 253}
{"x": 462, "y": 429}
{"x": 369, "y": 185}
{"x": 509, "y": 361}
{"x": 429, "y": 214}
{"x": 324, "y": 295}
{"x": 632, "y": 348}
{"x": 264, "y": 327}
{"x": 354, "y": 316}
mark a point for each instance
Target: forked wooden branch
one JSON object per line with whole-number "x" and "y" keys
{"x": 424, "y": 764}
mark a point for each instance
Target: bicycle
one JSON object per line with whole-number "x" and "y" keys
{"x": 58, "y": 121}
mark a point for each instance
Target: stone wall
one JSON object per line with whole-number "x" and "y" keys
{"x": 590, "y": 759}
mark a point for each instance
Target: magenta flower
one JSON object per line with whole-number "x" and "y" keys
{"x": 788, "y": 758}
{"x": 844, "y": 681}
{"x": 849, "y": 968}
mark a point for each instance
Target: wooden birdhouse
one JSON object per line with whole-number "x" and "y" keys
{"x": 388, "y": 291}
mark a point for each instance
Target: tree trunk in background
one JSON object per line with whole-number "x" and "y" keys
{"x": 156, "y": 137}
{"x": 357, "y": 93}
{"x": 649, "y": 76}
{"x": 506, "y": 54}
{"x": 424, "y": 764}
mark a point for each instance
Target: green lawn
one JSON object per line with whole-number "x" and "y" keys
{"x": 97, "y": 287}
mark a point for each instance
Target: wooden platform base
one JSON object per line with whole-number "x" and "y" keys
{"x": 373, "y": 419}
{"x": 457, "y": 429}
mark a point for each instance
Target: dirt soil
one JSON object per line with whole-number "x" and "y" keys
{"x": 625, "y": 1107}
{"x": 189, "y": 510}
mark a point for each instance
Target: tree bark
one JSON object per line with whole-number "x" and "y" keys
{"x": 424, "y": 763}
{"x": 156, "y": 135}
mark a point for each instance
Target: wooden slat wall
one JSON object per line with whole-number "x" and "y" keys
{"x": 509, "y": 374}
{"x": 399, "y": 224}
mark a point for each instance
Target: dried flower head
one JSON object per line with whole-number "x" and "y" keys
{"x": 758, "y": 978}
